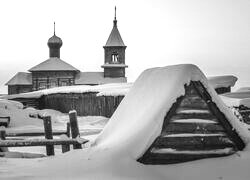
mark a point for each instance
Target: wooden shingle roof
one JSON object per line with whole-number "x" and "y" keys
{"x": 21, "y": 78}
{"x": 53, "y": 64}
{"x": 115, "y": 38}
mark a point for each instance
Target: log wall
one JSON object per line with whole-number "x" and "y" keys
{"x": 86, "y": 104}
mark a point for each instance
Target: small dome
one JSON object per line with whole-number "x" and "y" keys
{"x": 55, "y": 42}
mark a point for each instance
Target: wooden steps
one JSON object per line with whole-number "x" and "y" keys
{"x": 193, "y": 129}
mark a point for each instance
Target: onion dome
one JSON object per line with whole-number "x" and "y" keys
{"x": 55, "y": 41}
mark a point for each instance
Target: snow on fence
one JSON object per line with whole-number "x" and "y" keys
{"x": 49, "y": 142}
{"x": 86, "y": 104}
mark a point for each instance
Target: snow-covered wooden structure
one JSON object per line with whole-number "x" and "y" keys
{"x": 172, "y": 115}
{"x": 222, "y": 84}
{"x": 193, "y": 128}
{"x": 99, "y": 100}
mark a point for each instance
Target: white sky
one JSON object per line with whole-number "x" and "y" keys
{"x": 213, "y": 34}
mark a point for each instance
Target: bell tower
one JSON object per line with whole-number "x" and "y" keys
{"x": 114, "y": 54}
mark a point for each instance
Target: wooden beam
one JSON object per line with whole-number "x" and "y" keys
{"x": 74, "y": 128}
{"x": 221, "y": 117}
{"x": 194, "y": 128}
{"x": 48, "y": 135}
{"x": 14, "y": 134}
{"x": 39, "y": 142}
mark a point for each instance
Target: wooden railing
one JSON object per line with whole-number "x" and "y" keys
{"x": 49, "y": 142}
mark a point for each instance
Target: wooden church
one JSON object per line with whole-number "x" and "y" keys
{"x": 55, "y": 72}
{"x": 173, "y": 115}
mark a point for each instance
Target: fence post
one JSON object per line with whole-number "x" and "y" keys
{"x": 74, "y": 128}
{"x": 3, "y": 137}
{"x": 66, "y": 147}
{"x": 48, "y": 134}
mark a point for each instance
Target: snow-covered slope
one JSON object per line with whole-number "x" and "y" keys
{"x": 139, "y": 118}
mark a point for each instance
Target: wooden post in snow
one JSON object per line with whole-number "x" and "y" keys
{"x": 74, "y": 128}
{"x": 48, "y": 134}
{"x": 3, "y": 137}
{"x": 66, "y": 147}
{"x": 2, "y": 134}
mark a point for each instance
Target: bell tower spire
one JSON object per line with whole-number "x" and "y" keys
{"x": 115, "y": 21}
{"x": 54, "y": 28}
{"x": 114, "y": 54}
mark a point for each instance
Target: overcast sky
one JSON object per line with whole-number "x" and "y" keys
{"x": 213, "y": 34}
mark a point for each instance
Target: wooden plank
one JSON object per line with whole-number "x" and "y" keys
{"x": 221, "y": 117}
{"x": 39, "y": 142}
{"x": 74, "y": 128}
{"x": 66, "y": 147}
{"x": 193, "y": 128}
{"x": 14, "y": 134}
{"x": 171, "y": 112}
{"x": 193, "y": 102}
{"x": 48, "y": 135}
{"x": 152, "y": 158}
{"x": 192, "y": 143}
{"x": 193, "y": 116}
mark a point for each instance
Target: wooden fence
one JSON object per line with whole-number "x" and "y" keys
{"x": 49, "y": 142}
{"x": 86, "y": 104}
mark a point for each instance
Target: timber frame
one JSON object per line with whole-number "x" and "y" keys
{"x": 224, "y": 126}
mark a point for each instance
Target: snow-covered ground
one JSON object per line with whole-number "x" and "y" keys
{"x": 130, "y": 130}
{"x": 26, "y": 120}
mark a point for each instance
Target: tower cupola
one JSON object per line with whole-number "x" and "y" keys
{"x": 54, "y": 43}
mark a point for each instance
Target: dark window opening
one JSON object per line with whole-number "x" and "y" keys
{"x": 115, "y": 58}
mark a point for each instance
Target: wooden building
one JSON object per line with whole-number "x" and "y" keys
{"x": 55, "y": 72}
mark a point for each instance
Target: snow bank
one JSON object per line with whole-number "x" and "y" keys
{"x": 235, "y": 102}
{"x": 235, "y": 99}
{"x": 139, "y": 118}
{"x": 222, "y": 81}
{"x": 113, "y": 89}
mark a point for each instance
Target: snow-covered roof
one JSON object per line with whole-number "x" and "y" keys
{"x": 115, "y": 38}
{"x": 243, "y": 89}
{"x": 222, "y": 81}
{"x": 53, "y": 64}
{"x": 238, "y": 94}
{"x": 139, "y": 118}
{"x": 235, "y": 102}
{"x": 21, "y": 78}
{"x": 96, "y": 78}
{"x": 112, "y": 89}
{"x": 235, "y": 99}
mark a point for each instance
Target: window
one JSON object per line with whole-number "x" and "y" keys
{"x": 64, "y": 83}
{"x": 115, "y": 58}
{"x": 52, "y": 84}
{"x": 42, "y": 85}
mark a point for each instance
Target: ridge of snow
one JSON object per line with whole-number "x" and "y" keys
{"x": 112, "y": 89}
{"x": 139, "y": 118}
{"x": 193, "y": 135}
{"x": 194, "y": 121}
{"x": 222, "y": 81}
